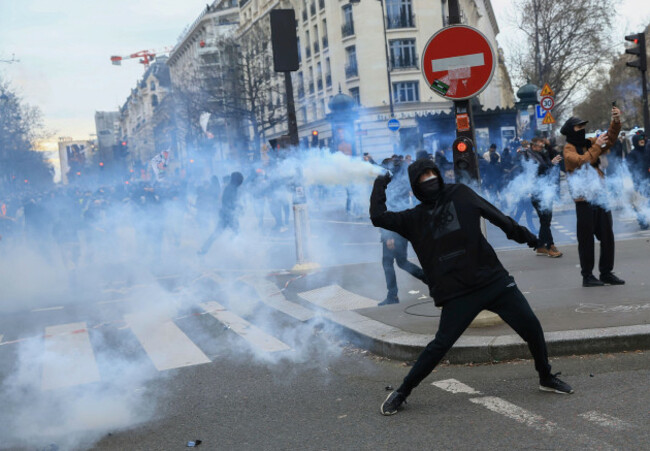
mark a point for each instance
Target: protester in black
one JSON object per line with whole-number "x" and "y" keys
{"x": 462, "y": 270}
{"x": 229, "y": 213}
{"x": 546, "y": 168}
{"x": 582, "y": 158}
{"x": 638, "y": 163}
{"x": 394, "y": 246}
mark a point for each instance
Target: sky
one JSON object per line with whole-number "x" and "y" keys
{"x": 64, "y": 48}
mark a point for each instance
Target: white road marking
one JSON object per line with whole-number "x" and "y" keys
{"x": 1, "y": 338}
{"x": 605, "y": 420}
{"x": 454, "y": 386}
{"x": 47, "y": 309}
{"x": 249, "y": 332}
{"x": 68, "y": 359}
{"x": 334, "y": 298}
{"x": 516, "y": 413}
{"x": 271, "y": 295}
{"x": 166, "y": 345}
{"x": 458, "y": 62}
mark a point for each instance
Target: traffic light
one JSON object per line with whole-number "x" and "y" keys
{"x": 465, "y": 160}
{"x": 639, "y": 50}
{"x": 314, "y": 138}
{"x": 123, "y": 150}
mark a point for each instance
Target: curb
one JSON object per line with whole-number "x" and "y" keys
{"x": 391, "y": 342}
{"x": 394, "y": 343}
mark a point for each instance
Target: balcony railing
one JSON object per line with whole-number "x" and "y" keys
{"x": 316, "y": 47}
{"x": 408, "y": 62}
{"x": 325, "y": 42}
{"x": 321, "y": 4}
{"x": 400, "y": 21}
{"x": 311, "y": 87}
{"x": 319, "y": 84}
{"x": 347, "y": 29}
{"x": 307, "y": 52}
{"x": 328, "y": 80}
{"x": 351, "y": 70}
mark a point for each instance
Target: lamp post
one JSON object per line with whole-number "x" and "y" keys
{"x": 390, "y": 84}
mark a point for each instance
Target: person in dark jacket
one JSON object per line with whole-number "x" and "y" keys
{"x": 394, "y": 245}
{"x": 546, "y": 165}
{"x": 591, "y": 219}
{"x": 462, "y": 270}
{"x": 229, "y": 213}
{"x": 638, "y": 163}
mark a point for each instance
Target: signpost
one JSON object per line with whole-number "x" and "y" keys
{"x": 393, "y": 125}
{"x": 458, "y": 63}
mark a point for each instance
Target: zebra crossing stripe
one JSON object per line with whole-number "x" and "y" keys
{"x": 605, "y": 420}
{"x": 454, "y": 386}
{"x": 165, "y": 343}
{"x": 335, "y": 299}
{"x": 253, "y": 334}
{"x": 68, "y": 359}
{"x": 516, "y": 413}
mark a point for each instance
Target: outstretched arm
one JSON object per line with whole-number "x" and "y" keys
{"x": 513, "y": 231}
{"x": 379, "y": 214}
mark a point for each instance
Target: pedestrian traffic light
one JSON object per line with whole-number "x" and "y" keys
{"x": 465, "y": 160}
{"x": 639, "y": 50}
{"x": 314, "y": 138}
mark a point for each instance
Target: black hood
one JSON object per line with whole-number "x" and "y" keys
{"x": 636, "y": 139}
{"x": 236, "y": 178}
{"x": 416, "y": 169}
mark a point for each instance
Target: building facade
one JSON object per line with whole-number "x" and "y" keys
{"x": 107, "y": 126}
{"x": 342, "y": 44}
{"x": 77, "y": 158}
{"x": 198, "y": 66}
{"x": 137, "y": 115}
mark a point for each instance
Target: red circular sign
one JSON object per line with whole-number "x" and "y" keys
{"x": 458, "y": 62}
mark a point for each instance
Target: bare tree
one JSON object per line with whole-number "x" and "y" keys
{"x": 20, "y": 126}
{"x": 565, "y": 42}
{"x": 621, "y": 84}
{"x": 248, "y": 89}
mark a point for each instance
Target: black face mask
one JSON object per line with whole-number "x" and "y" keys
{"x": 430, "y": 189}
{"x": 578, "y": 139}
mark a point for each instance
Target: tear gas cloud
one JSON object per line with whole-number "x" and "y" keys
{"x": 120, "y": 250}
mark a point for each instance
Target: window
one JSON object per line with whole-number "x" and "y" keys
{"x": 407, "y": 91}
{"x": 351, "y": 65}
{"x": 324, "y": 33}
{"x": 316, "y": 43}
{"x": 154, "y": 100}
{"x": 347, "y": 29}
{"x": 299, "y": 50}
{"x": 399, "y": 14}
{"x": 152, "y": 86}
{"x": 402, "y": 54}
{"x": 319, "y": 76}
{"x": 356, "y": 95}
{"x": 328, "y": 73}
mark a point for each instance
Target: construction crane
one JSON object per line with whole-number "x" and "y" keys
{"x": 147, "y": 56}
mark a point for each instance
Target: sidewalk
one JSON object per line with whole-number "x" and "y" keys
{"x": 576, "y": 320}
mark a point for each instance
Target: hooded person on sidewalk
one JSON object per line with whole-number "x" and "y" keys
{"x": 462, "y": 270}
{"x": 583, "y": 166}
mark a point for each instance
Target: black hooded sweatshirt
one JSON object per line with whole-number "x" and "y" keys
{"x": 446, "y": 234}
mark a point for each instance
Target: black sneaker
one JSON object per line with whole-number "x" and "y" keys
{"x": 393, "y": 403}
{"x": 591, "y": 281}
{"x": 389, "y": 301}
{"x": 554, "y": 385}
{"x": 610, "y": 279}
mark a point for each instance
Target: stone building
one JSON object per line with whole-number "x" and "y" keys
{"x": 137, "y": 115}
{"x": 198, "y": 66}
{"x": 342, "y": 44}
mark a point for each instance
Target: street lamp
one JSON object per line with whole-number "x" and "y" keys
{"x": 390, "y": 85}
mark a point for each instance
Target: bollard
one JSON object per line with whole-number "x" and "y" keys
{"x": 302, "y": 232}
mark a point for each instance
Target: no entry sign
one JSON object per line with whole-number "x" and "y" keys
{"x": 458, "y": 62}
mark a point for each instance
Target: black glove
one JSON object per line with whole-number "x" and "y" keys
{"x": 532, "y": 241}
{"x": 384, "y": 179}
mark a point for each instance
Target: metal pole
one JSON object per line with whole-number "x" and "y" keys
{"x": 390, "y": 84}
{"x": 291, "y": 110}
{"x": 646, "y": 116}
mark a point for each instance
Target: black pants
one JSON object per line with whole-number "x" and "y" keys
{"x": 594, "y": 220}
{"x": 399, "y": 255}
{"x": 501, "y": 297}
{"x": 545, "y": 237}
